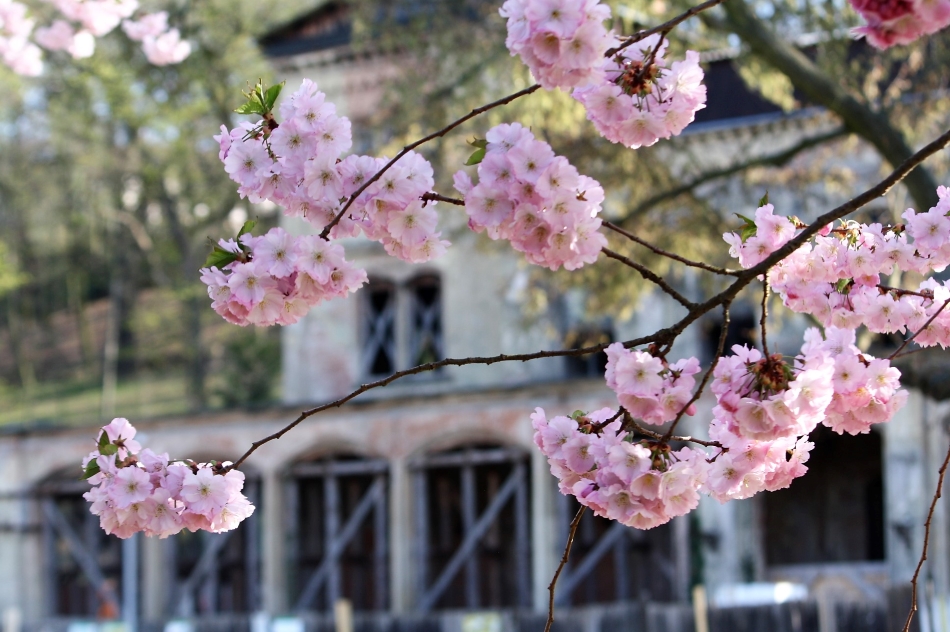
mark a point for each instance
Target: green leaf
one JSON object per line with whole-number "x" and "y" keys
{"x": 251, "y": 107}
{"x": 480, "y": 143}
{"x": 270, "y": 96}
{"x": 577, "y": 414}
{"x": 476, "y": 157}
{"x": 103, "y": 440}
{"x": 748, "y": 229}
{"x": 764, "y": 199}
{"x": 109, "y": 449}
{"x": 219, "y": 258}
{"x": 246, "y": 228}
{"x": 842, "y": 285}
{"x": 92, "y": 468}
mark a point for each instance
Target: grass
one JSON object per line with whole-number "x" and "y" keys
{"x": 80, "y": 402}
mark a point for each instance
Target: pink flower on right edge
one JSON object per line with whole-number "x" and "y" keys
{"x": 891, "y": 22}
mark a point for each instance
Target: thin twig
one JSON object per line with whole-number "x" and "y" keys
{"x": 663, "y": 336}
{"x": 772, "y": 160}
{"x": 630, "y": 423}
{"x": 927, "y": 324}
{"x": 560, "y": 567}
{"x": 652, "y": 276}
{"x": 405, "y": 150}
{"x": 432, "y": 196}
{"x": 669, "y": 255}
{"x": 923, "y": 552}
{"x": 765, "y": 315}
{"x": 431, "y": 366}
{"x": 664, "y": 28}
{"x": 712, "y": 367}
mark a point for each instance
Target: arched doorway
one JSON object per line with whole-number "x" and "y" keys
{"x": 471, "y": 547}
{"x": 835, "y": 513}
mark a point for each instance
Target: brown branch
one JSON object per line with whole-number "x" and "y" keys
{"x": 652, "y": 276}
{"x": 432, "y": 196}
{"x": 773, "y": 160}
{"x": 630, "y": 423}
{"x": 712, "y": 367}
{"x": 560, "y": 567}
{"x": 664, "y": 28}
{"x": 669, "y": 255}
{"x": 764, "y": 317}
{"x": 923, "y": 553}
{"x": 663, "y": 336}
{"x": 746, "y": 276}
{"x": 927, "y": 324}
{"x": 423, "y": 368}
{"x": 405, "y": 150}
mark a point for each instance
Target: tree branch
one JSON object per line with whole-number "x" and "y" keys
{"x": 774, "y": 160}
{"x": 560, "y": 567}
{"x": 663, "y": 336}
{"x": 923, "y": 552}
{"x": 650, "y": 275}
{"x": 822, "y": 89}
{"x": 669, "y": 255}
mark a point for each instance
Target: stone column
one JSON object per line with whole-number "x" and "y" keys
{"x": 273, "y": 558}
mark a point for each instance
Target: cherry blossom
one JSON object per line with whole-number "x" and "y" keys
{"x": 137, "y": 490}
{"x": 535, "y": 200}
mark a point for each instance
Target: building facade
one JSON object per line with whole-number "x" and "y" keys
{"x": 428, "y": 496}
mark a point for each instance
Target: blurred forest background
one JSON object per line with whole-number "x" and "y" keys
{"x": 110, "y": 184}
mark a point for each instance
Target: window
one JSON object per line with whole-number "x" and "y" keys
{"x": 426, "y": 324}
{"x": 84, "y": 565}
{"x": 471, "y": 536}
{"x": 591, "y": 365}
{"x": 401, "y": 325}
{"x": 338, "y": 540}
{"x": 379, "y": 333}
{"x": 835, "y": 513}
{"x": 217, "y": 572}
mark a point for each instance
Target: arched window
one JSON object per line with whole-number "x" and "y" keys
{"x": 83, "y": 564}
{"x": 471, "y": 528}
{"x": 217, "y": 572}
{"x": 835, "y": 513}
{"x": 610, "y": 562}
{"x": 338, "y": 533}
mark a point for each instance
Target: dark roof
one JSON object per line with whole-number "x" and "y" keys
{"x": 329, "y": 26}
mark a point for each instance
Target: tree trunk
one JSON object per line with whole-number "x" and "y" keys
{"x": 819, "y": 88}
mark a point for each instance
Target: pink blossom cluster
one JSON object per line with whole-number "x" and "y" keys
{"x": 280, "y": 278}
{"x": 866, "y": 390}
{"x": 298, "y": 164}
{"x": 161, "y": 45}
{"x": 639, "y": 100}
{"x": 837, "y": 277}
{"x": 75, "y": 32}
{"x": 535, "y": 200}
{"x": 764, "y": 399}
{"x": 649, "y": 388}
{"x": 744, "y": 467}
{"x": 138, "y": 490}
{"x": 891, "y": 22}
{"x": 640, "y": 484}
{"x": 17, "y": 52}
{"x": 563, "y": 43}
